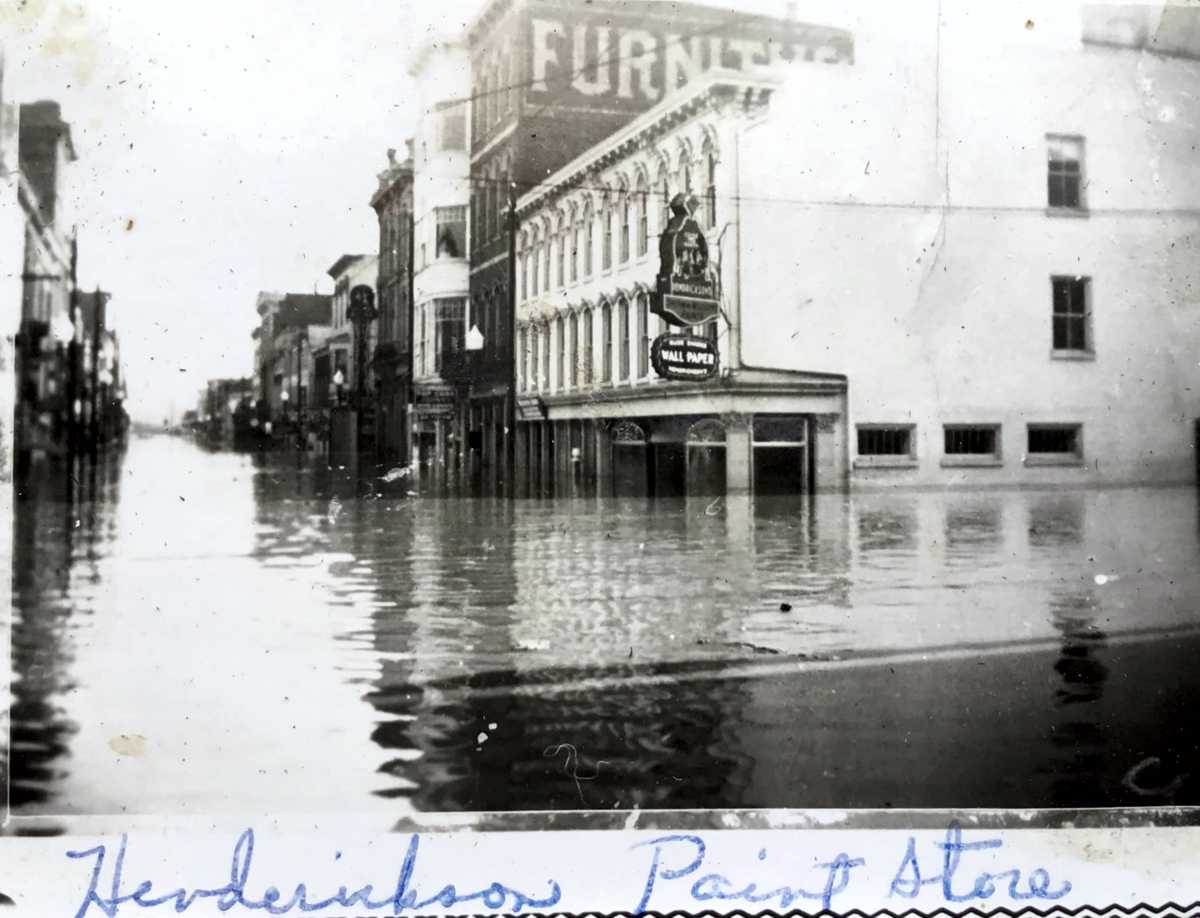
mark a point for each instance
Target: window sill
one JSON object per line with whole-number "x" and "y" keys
{"x": 885, "y": 462}
{"x": 1076, "y": 212}
{"x": 1064, "y": 459}
{"x": 1072, "y": 355}
{"x": 972, "y": 462}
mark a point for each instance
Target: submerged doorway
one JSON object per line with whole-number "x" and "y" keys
{"x": 782, "y": 458}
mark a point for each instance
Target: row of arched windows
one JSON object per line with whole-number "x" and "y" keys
{"x": 559, "y": 251}
{"x": 570, "y": 336}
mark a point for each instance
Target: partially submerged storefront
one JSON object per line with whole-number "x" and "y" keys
{"x": 757, "y": 432}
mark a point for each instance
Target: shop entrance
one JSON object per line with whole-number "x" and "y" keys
{"x": 782, "y": 458}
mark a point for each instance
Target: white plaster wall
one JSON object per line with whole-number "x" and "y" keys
{"x": 894, "y": 229}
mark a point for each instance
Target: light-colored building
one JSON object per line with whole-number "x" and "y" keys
{"x": 348, "y": 272}
{"x": 958, "y": 261}
{"x": 994, "y": 238}
{"x": 441, "y": 276}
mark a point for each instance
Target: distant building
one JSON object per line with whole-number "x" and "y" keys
{"x": 300, "y": 322}
{"x": 441, "y": 197}
{"x": 393, "y": 205}
{"x": 48, "y": 347}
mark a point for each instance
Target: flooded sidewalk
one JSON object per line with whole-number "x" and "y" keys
{"x": 211, "y": 632}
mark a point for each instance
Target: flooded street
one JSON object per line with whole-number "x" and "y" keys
{"x": 209, "y": 633}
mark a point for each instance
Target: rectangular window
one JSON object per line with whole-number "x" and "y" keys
{"x": 546, "y": 358}
{"x": 1054, "y": 444}
{"x": 971, "y": 444}
{"x": 449, "y": 315}
{"x": 451, "y": 232}
{"x": 574, "y": 253}
{"x": 643, "y": 232}
{"x": 560, "y": 256}
{"x": 623, "y": 342}
{"x": 453, "y": 131}
{"x": 1071, "y": 314}
{"x": 1064, "y": 175}
{"x": 587, "y": 248}
{"x": 643, "y": 336}
{"x": 886, "y": 444}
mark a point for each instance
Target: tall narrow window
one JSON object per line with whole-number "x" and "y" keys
{"x": 589, "y": 225}
{"x": 546, "y": 357}
{"x": 561, "y": 340}
{"x": 561, "y": 254}
{"x": 643, "y": 335}
{"x": 546, "y": 262}
{"x": 606, "y": 333}
{"x": 606, "y": 252}
{"x": 574, "y": 354}
{"x": 623, "y": 340}
{"x": 524, "y": 276}
{"x": 534, "y": 256}
{"x": 587, "y": 347}
{"x": 643, "y": 227}
{"x": 574, "y": 253}
{"x": 534, "y": 344}
{"x": 710, "y": 190}
{"x": 523, "y": 356}
{"x": 1064, "y": 171}
{"x": 625, "y": 225}
{"x": 1071, "y": 314}
{"x": 664, "y": 204}
{"x": 451, "y": 232}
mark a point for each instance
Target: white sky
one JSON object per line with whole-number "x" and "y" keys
{"x": 231, "y": 146}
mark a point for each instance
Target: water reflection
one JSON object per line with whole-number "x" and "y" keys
{"x": 319, "y": 640}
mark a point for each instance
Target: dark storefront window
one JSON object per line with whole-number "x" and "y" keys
{"x": 706, "y": 458}
{"x": 780, "y": 446}
{"x": 448, "y": 330}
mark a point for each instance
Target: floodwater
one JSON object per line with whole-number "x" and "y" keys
{"x": 200, "y": 633}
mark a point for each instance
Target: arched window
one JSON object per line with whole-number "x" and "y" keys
{"x": 575, "y": 234}
{"x": 561, "y": 251}
{"x": 606, "y": 252}
{"x": 710, "y": 186}
{"x": 623, "y": 337}
{"x": 534, "y": 344}
{"x": 523, "y": 261}
{"x": 589, "y": 228}
{"x": 535, "y": 253}
{"x": 641, "y": 202}
{"x": 561, "y": 340}
{"x": 643, "y": 335}
{"x": 606, "y": 338}
{"x": 664, "y": 201}
{"x": 685, "y": 172}
{"x": 546, "y": 357}
{"x": 626, "y": 222}
{"x": 546, "y": 261}
{"x": 587, "y": 347}
{"x": 522, "y": 345}
{"x": 574, "y": 332}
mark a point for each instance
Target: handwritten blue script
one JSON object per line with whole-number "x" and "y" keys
{"x": 403, "y": 896}
{"x": 908, "y": 881}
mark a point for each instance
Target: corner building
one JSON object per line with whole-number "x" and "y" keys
{"x": 594, "y": 415}
{"x": 553, "y": 79}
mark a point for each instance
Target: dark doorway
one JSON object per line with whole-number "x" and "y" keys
{"x": 631, "y": 471}
{"x": 706, "y": 469}
{"x": 668, "y": 469}
{"x": 780, "y": 470}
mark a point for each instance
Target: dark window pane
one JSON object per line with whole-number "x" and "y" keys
{"x": 779, "y": 470}
{"x": 883, "y": 441}
{"x": 782, "y": 428}
{"x": 1053, "y": 440}
{"x": 970, "y": 441}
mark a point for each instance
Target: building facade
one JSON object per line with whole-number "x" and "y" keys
{"x": 595, "y": 416}
{"x": 393, "y": 205}
{"x": 441, "y": 198}
{"x": 553, "y": 79}
{"x": 1000, "y": 260}
{"x": 50, "y": 345}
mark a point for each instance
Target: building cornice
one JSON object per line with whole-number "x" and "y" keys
{"x": 717, "y": 88}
